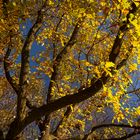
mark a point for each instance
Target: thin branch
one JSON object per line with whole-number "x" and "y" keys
{"x": 90, "y": 49}
{"x": 115, "y": 125}
{"x": 6, "y": 57}
{"x": 110, "y": 125}
{"x": 66, "y": 115}
{"x": 134, "y": 133}
{"x": 55, "y": 68}
{"x": 123, "y": 62}
{"x": 134, "y": 91}
{"x": 7, "y": 72}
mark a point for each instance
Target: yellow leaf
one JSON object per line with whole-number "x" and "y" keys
{"x": 67, "y": 77}
{"x": 109, "y": 64}
{"x": 88, "y": 64}
{"x": 14, "y": 4}
{"x": 133, "y": 67}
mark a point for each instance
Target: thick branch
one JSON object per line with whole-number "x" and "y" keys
{"x": 66, "y": 100}
{"x": 23, "y": 80}
{"x": 55, "y": 73}
{"x": 55, "y": 68}
{"x": 25, "y": 66}
{"x": 118, "y": 40}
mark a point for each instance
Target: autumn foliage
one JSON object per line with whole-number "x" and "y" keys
{"x": 65, "y": 61}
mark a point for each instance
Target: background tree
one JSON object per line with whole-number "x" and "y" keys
{"x": 63, "y": 60}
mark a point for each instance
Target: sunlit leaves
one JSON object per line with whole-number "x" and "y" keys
{"x": 133, "y": 67}
{"x": 109, "y": 64}
{"x": 137, "y": 111}
{"x": 87, "y": 55}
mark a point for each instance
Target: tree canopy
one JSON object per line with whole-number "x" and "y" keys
{"x": 63, "y": 61}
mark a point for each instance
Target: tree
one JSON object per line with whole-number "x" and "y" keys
{"x": 87, "y": 50}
